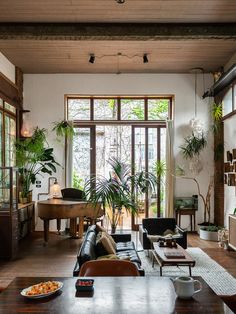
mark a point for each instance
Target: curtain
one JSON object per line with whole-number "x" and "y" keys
{"x": 68, "y": 162}
{"x": 68, "y": 167}
{"x": 169, "y": 206}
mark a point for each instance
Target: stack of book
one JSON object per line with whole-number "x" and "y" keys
{"x": 170, "y": 254}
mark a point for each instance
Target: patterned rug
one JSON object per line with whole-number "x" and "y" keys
{"x": 215, "y": 275}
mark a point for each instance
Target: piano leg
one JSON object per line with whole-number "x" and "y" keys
{"x": 46, "y": 230}
{"x": 81, "y": 227}
{"x": 59, "y": 226}
{"x": 73, "y": 228}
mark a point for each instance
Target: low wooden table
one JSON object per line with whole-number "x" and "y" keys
{"x": 158, "y": 254}
{"x": 123, "y": 295}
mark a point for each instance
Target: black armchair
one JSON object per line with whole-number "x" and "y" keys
{"x": 72, "y": 194}
{"x": 157, "y": 226}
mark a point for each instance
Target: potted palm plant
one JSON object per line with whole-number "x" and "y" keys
{"x": 119, "y": 190}
{"x": 33, "y": 157}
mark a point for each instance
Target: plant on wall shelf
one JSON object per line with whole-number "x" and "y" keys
{"x": 33, "y": 157}
{"x": 217, "y": 114}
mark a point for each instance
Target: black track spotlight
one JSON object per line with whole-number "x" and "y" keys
{"x": 145, "y": 58}
{"x": 120, "y": 1}
{"x": 92, "y": 58}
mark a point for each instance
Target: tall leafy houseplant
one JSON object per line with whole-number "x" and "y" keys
{"x": 117, "y": 191}
{"x": 33, "y": 157}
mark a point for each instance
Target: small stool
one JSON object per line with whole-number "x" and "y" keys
{"x": 186, "y": 211}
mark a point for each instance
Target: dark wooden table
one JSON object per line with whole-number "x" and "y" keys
{"x": 123, "y": 295}
{"x": 162, "y": 260}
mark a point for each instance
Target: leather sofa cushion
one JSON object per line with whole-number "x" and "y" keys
{"x": 87, "y": 251}
{"x": 123, "y": 246}
{"x": 130, "y": 255}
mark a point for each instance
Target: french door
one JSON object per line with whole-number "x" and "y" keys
{"x": 148, "y": 148}
{"x": 139, "y": 146}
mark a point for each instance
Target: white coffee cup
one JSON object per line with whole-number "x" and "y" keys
{"x": 185, "y": 287}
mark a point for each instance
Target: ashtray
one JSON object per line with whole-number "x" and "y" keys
{"x": 84, "y": 284}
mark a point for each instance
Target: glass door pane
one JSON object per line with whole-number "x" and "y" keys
{"x": 140, "y": 165}
{"x": 10, "y": 136}
{"x": 113, "y": 141}
{"x": 163, "y": 178}
{"x": 81, "y": 151}
{"x": 148, "y": 154}
{"x": 1, "y": 140}
{"x": 153, "y": 156}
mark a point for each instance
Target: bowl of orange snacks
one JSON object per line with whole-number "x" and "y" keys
{"x": 42, "y": 289}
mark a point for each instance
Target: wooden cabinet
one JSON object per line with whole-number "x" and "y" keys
{"x": 26, "y": 219}
{"x": 232, "y": 231}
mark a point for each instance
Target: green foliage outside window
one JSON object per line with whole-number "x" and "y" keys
{"x": 77, "y": 181}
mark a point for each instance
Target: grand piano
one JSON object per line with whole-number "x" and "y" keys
{"x": 67, "y": 209}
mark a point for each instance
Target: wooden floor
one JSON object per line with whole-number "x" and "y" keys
{"x": 59, "y": 256}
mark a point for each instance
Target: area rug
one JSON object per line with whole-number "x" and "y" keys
{"x": 221, "y": 282}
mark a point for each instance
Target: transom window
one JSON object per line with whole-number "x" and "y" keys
{"x": 118, "y": 108}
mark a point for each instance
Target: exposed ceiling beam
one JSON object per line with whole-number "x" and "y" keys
{"x": 116, "y": 31}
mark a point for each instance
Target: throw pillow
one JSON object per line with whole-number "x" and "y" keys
{"x": 153, "y": 238}
{"x": 104, "y": 241}
{"x": 168, "y": 232}
{"x": 113, "y": 243}
{"x": 100, "y": 228}
{"x": 109, "y": 256}
{"x": 103, "y": 230}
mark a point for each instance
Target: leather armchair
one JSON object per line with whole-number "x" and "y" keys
{"x": 157, "y": 226}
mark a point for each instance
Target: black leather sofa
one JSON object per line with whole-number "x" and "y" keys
{"x": 89, "y": 251}
{"x": 157, "y": 226}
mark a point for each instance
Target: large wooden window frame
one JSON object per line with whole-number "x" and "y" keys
{"x": 6, "y": 113}
{"x": 145, "y": 123}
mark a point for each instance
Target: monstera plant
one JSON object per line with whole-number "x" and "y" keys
{"x": 33, "y": 157}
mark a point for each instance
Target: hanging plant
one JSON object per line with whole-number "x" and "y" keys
{"x": 193, "y": 145}
{"x": 64, "y": 129}
{"x": 217, "y": 114}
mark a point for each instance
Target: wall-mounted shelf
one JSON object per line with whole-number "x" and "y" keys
{"x": 230, "y": 168}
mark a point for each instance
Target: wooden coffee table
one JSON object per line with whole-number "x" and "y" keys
{"x": 158, "y": 254}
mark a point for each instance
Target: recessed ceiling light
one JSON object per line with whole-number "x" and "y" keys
{"x": 120, "y": 1}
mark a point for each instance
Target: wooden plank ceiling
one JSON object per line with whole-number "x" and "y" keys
{"x": 134, "y": 11}
{"x": 177, "y": 54}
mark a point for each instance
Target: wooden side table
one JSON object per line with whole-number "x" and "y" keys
{"x": 186, "y": 211}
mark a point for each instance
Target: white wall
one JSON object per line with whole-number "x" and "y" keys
{"x": 44, "y": 96}
{"x": 230, "y": 143}
{"x": 7, "y": 68}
